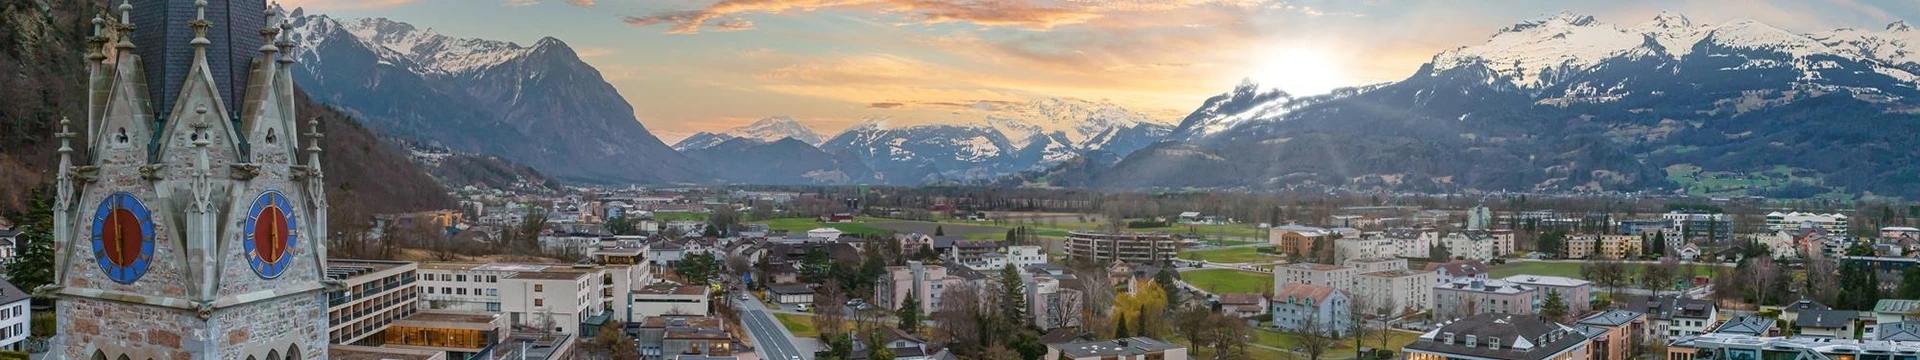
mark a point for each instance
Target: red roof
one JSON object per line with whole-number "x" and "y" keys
{"x": 1316, "y": 293}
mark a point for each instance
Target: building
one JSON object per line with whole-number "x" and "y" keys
{"x": 382, "y": 353}
{"x": 1333, "y": 276}
{"x": 458, "y": 334}
{"x": 917, "y": 280}
{"x": 1625, "y": 330}
{"x": 1303, "y": 307}
{"x": 1888, "y": 311}
{"x": 1501, "y": 337}
{"x": 1579, "y": 247}
{"x": 684, "y": 337}
{"x": 16, "y": 315}
{"x": 1050, "y": 303}
{"x": 1297, "y": 240}
{"x": 565, "y": 301}
{"x": 973, "y": 253}
{"x": 1671, "y": 317}
{"x": 1364, "y": 247}
{"x": 1468, "y": 297}
{"x": 1022, "y": 256}
{"x": 1746, "y": 347}
{"x": 1835, "y": 324}
{"x": 1781, "y": 244}
{"x": 1897, "y": 331}
{"x": 375, "y": 294}
{"x": 1697, "y": 227}
{"x": 1479, "y": 218}
{"x": 1459, "y": 269}
{"x": 1133, "y": 348}
{"x": 1891, "y": 232}
{"x": 791, "y": 294}
{"x": 1578, "y": 294}
{"x": 1620, "y": 247}
{"x": 1835, "y": 223}
{"x": 1642, "y": 227}
{"x": 1242, "y": 305}
{"x": 1376, "y": 264}
{"x": 573, "y": 298}
{"x": 1889, "y": 269}
{"x": 211, "y": 249}
{"x": 1142, "y": 248}
{"x": 905, "y": 346}
{"x": 1746, "y": 325}
{"x": 1479, "y": 245}
{"x": 1398, "y": 292}
{"x": 661, "y": 300}
{"x": 1792, "y": 312}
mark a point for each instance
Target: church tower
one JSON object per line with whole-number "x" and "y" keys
{"x": 192, "y": 227}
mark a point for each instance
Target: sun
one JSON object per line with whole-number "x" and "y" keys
{"x": 1300, "y": 70}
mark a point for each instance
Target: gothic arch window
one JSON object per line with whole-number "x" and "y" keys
{"x": 121, "y": 137}
{"x": 273, "y": 355}
{"x": 271, "y": 136}
{"x": 124, "y": 357}
{"x": 99, "y": 355}
{"x": 250, "y": 357}
{"x": 293, "y": 352}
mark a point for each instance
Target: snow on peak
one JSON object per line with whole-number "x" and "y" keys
{"x": 1673, "y": 33}
{"x": 427, "y": 50}
{"x": 1562, "y": 19}
{"x": 1668, "y": 20}
{"x": 1899, "y": 26}
{"x": 1079, "y": 120}
{"x": 1747, "y": 34}
{"x": 1529, "y": 52}
{"x": 774, "y": 128}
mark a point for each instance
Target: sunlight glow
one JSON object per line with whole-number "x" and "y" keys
{"x": 1301, "y": 70}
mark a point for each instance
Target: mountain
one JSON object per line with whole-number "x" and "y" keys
{"x": 46, "y": 81}
{"x": 926, "y": 153}
{"x": 1570, "y": 103}
{"x": 766, "y": 130}
{"x": 701, "y": 140}
{"x": 781, "y": 162}
{"x": 538, "y": 105}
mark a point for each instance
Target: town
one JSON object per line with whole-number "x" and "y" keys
{"x": 829, "y": 273}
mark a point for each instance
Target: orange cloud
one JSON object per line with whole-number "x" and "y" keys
{"x": 723, "y": 15}
{"x": 581, "y": 3}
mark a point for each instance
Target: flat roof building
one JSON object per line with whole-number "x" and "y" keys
{"x": 377, "y": 293}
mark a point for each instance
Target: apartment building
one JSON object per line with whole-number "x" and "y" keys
{"x": 1578, "y": 246}
{"x": 1393, "y": 292}
{"x": 1620, "y": 247}
{"x": 1501, "y": 337}
{"x": 916, "y": 280}
{"x": 1052, "y": 305}
{"x": 1376, "y": 264}
{"x": 565, "y": 296}
{"x": 1578, "y": 294}
{"x": 1459, "y": 269}
{"x": 1834, "y": 223}
{"x": 659, "y": 300}
{"x": 16, "y": 317}
{"x": 1697, "y": 227}
{"x": 565, "y": 301}
{"x": 1622, "y": 338}
{"x": 1297, "y": 240}
{"x": 1479, "y": 245}
{"x": 1671, "y": 317}
{"x": 1303, "y": 307}
{"x": 1365, "y": 247}
{"x": 1139, "y": 248}
{"x": 1468, "y": 297}
{"x": 376, "y": 294}
{"x": 1333, "y": 276}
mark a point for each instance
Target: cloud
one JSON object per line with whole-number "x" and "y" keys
{"x": 519, "y": 3}
{"x": 724, "y": 15}
{"x": 343, "y": 4}
{"x": 885, "y": 105}
{"x": 593, "y": 52}
{"x": 581, "y": 3}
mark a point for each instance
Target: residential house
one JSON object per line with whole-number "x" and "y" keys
{"x": 1672, "y": 317}
{"x": 904, "y": 346}
{"x": 1333, "y": 276}
{"x": 1746, "y": 325}
{"x": 684, "y": 337}
{"x": 1466, "y": 297}
{"x": 1242, "y": 305}
{"x": 1576, "y": 293}
{"x": 1625, "y": 329}
{"x": 1303, "y": 307}
{"x": 1836, "y": 324}
{"x": 1688, "y": 253}
{"x": 1780, "y": 244}
{"x": 15, "y": 317}
{"x": 1133, "y": 348}
{"x": 1791, "y": 312}
{"x": 1888, "y": 311}
{"x": 1501, "y": 337}
{"x": 1458, "y": 269}
{"x": 1297, "y": 240}
{"x": 1897, "y": 331}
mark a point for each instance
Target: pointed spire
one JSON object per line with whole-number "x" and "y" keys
{"x": 285, "y": 42}
{"x": 65, "y": 138}
{"x": 125, "y": 29}
{"x": 268, "y": 32}
{"x": 200, "y": 25}
{"x": 94, "y": 51}
{"x": 313, "y": 144}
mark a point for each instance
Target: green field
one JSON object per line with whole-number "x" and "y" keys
{"x": 1231, "y": 233}
{"x": 1699, "y": 182}
{"x": 679, "y": 216}
{"x": 1343, "y": 348}
{"x": 1231, "y": 256}
{"x": 804, "y": 224}
{"x": 1229, "y": 281}
{"x": 1572, "y": 269}
{"x": 800, "y": 325}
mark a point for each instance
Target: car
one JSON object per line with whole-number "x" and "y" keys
{"x": 861, "y": 307}
{"x": 855, "y": 302}
{"x": 795, "y": 357}
{"x": 803, "y": 308}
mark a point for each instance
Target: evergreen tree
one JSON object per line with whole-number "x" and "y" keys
{"x": 909, "y": 315}
{"x": 1165, "y": 279}
{"x": 1654, "y": 246}
{"x": 1910, "y": 283}
{"x": 939, "y": 230}
{"x": 1554, "y": 308}
{"x": 1120, "y": 328}
{"x": 1439, "y": 254}
{"x": 712, "y": 231}
{"x": 1013, "y": 297}
{"x": 32, "y": 267}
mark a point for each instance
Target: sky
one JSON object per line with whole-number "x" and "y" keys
{"x": 708, "y": 65}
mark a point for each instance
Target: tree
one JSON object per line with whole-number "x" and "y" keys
{"x": 1120, "y": 328}
{"x": 723, "y": 218}
{"x": 1655, "y": 278}
{"x": 830, "y": 312}
{"x": 1143, "y": 308}
{"x": 909, "y": 315}
{"x": 1552, "y": 242}
{"x": 697, "y": 268}
{"x": 1654, "y": 246}
{"x": 1909, "y": 283}
{"x": 1013, "y": 295}
{"x": 939, "y": 230}
{"x": 1229, "y": 336}
{"x": 33, "y": 266}
{"x": 1438, "y": 253}
{"x": 616, "y": 343}
{"x": 816, "y": 267}
{"x": 1196, "y": 324}
{"x": 1312, "y": 339}
{"x": 622, "y": 225}
{"x": 959, "y": 317}
{"x": 876, "y": 346}
{"x": 1165, "y": 278}
{"x": 1554, "y": 308}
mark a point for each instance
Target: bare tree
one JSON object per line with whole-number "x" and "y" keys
{"x": 1658, "y": 277}
{"x": 1229, "y": 336}
{"x": 959, "y": 316}
{"x": 1196, "y": 323}
{"x": 829, "y": 310}
{"x": 1312, "y": 338}
{"x": 1097, "y": 299}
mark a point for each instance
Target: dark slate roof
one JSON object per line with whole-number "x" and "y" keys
{"x": 1826, "y": 318}
{"x": 1460, "y": 268}
{"x": 1132, "y": 346}
{"x": 1612, "y": 318}
{"x": 1900, "y": 331}
{"x": 1804, "y": 305}
{"x": 1546, "y": 337}
{"x": 1746, "y": 325}
{"x": 790, "y": 289}
{"x": 10, "y": 294}
{"x": 943, "y": 242}
{"x": 966, "y": 273}
{"x": 1669, "y": 307}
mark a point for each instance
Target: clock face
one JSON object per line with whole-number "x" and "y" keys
{"x": 122, "y": 237}
{"x": 271, "y": 231}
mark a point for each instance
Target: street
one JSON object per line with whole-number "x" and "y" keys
{"x": 771, "y": 340}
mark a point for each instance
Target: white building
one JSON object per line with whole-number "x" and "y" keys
{"x": 15, "y": 317}
{"x": 916, "y": 280}
{"x": 1333, "y": 276}
{"x": 572, "y": 296}
{"x": 1365, "y": 247}
{"x": 1400, "y": 292}
{"x": 376, "y": 294}
{"x": 1479, "y": 245}
{"x": 660, "y": 300}
{"x": 1051, "y": 305}
{"x": 1835, "y": 223}
{"x": 823, "y": 235}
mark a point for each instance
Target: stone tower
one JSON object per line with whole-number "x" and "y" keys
{"x": 192, "y": 227}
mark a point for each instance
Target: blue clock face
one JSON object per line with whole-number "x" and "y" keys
{"x": 271, "y": 231}
{"x": 123, "y": 237}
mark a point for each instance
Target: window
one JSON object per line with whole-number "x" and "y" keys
{"x": 429, "y": 290}
{"x": 539, "y": 302}
{"x": 461, "y": 278}
{"x": 539, "y": 288}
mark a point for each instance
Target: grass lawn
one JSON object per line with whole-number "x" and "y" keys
{"x": 1572, "y": 269}
{"x": 1229, "y": 281}
{"x": 800, "y": 325}
{"x": 1235, "y": 255}
{"x": 680, "y": 216}
{"x": 1342, "y": 348}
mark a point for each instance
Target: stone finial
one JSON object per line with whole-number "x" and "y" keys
{"x": 125, "y": 29}
{"x": 200, "y": 126}
{"x": 269, "y": 30}
{"x": 65, "y": 137}
{"x": 285, "y": 42}
{"x": 313, "y": 144}
{"x": 98, "y": 24}
{"x": 200, "y": 24}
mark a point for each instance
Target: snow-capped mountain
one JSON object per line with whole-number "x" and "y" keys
{"x": 701, "y": 140}
{"x": 537, "y": 105}
{"x": 766, "y": 130}
{"x": 915, "y": 154}
{"x": 1568, "y": 102}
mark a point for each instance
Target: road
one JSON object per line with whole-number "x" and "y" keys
{"x": 770, "y": 338}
